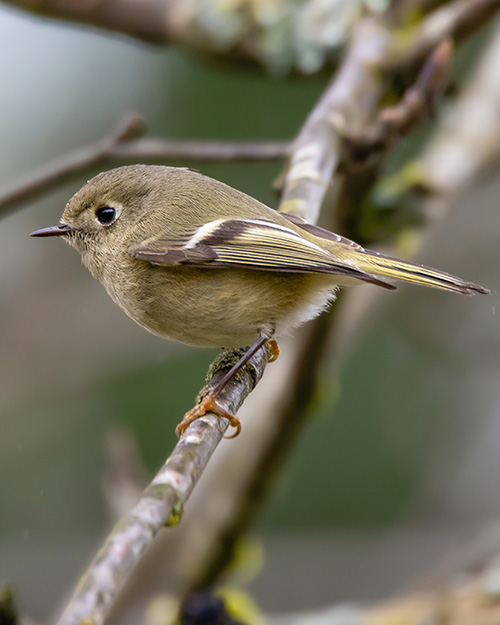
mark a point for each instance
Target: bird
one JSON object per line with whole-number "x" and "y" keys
{"x": 194, "y": 260}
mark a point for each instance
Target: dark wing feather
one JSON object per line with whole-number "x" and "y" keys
{"x": 321, "y": 232}
{"x": 259, "y": 244}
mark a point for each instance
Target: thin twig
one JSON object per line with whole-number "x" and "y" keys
{"x": 457, "y": 20}
{"x": 188, "y": 150}
{"x": 71, "y": 165}
{"x": 395, "y": 122}
{"x": 124, "y": 146}
{"x": 160, "y": 503}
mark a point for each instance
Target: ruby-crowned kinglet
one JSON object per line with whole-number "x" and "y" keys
{"x": 194, "y": 260}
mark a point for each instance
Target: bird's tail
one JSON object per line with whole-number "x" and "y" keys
{"x": 387, "y": 267}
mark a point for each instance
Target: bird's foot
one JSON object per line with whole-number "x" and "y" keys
{"x": 207, "y": 404}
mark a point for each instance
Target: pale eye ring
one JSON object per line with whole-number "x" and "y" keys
{"x": 106, "y": 215}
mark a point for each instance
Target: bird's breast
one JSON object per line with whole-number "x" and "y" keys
{"x": 215, "y": 307}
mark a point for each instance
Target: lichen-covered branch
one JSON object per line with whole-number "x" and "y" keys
{"x": 126, "y": 146}
{"x": 160, "y": 504}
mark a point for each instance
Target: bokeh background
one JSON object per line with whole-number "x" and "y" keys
{"x": 399, "y": 466}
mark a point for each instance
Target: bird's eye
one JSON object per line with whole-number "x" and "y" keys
{"x": 105, "y": 215}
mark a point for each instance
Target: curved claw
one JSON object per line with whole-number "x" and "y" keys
{"x": 235, "y": 423}
{"x": 275, "y": 350}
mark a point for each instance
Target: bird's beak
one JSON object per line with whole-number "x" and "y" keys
{"x": 53, "y": 231}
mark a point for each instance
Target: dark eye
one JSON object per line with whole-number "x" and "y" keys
{"x": 105, "y": 215}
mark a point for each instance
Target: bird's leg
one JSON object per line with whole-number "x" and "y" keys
{"x": 209, "y": 400}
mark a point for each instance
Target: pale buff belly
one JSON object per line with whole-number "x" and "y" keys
{"x": 221, "y": 307}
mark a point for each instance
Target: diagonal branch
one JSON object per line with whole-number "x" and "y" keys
{"x": 70, "y": 166}
{"x": 160, "y": 504}
{"x": 315, "y": 157}
{"x": 288, "y": 423}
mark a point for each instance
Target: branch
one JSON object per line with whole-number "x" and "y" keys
{"x": 122, "y": 550}
{"x": 148, "y": 20}
{"x": 61, "y": 171}
{"x": 456, "y": 20}
{"x": 346, "y": 106}
{"x": 288, "y": 423}
{"x": 395, "y": 122}
{"x": 350, "y": 102}
{"x": 160, "y": 504}
{"x": 467, "y": 140}
{"x": 325, "y": 132}
{"x": 239, "y": 30}
{"x": 125, "y": 146}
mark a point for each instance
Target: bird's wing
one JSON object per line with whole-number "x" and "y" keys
{"x": 387, "y": 267}
{"x": 321, "y": 232}
{"x": 259, "y": 244}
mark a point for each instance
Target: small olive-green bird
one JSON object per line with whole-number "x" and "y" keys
{"x": 196, "y": 261}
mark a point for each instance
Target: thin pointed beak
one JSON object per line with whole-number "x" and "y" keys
{"x": 53, "y": 231}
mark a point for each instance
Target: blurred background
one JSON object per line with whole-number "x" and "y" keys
{"x": 397, "y": 469}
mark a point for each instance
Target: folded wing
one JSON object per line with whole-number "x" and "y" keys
{"x": 258, "y": 244}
